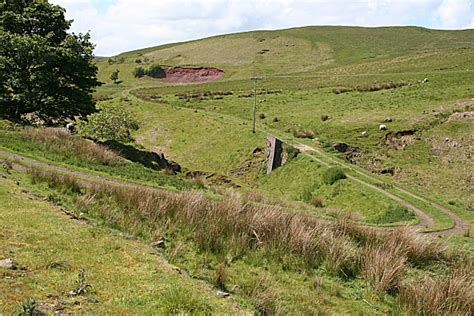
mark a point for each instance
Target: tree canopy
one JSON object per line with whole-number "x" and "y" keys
{"x": 44, "y": 70}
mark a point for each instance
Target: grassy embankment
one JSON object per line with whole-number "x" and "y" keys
{"x": 263, "y": 255}
{"x": 428, "y": 164}
{"x": 50, "y": 249}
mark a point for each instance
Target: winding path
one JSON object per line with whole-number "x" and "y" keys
{"x": 426, "y": 222}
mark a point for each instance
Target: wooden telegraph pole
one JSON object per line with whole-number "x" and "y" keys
{"x": 255, "y": 103}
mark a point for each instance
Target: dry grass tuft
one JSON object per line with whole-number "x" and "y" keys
{"x": 301, "y": 133}
{"x": 383, "y": 267}
{"x": 234, "y": 226}
{"x": 420, "y": 250}
{"x": 370, "y": 87}
{"x": 59, "y": 140}
{"x": 221, "y": 277}
{"x": 442, "y": 295}
{"x": 264, "y": 298}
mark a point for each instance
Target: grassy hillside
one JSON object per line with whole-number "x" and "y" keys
{"x": 305, "y": 50}
{"x": 304, "y": 67}
{"x": 285, "y": 243}
{"x": 50, "y": 249}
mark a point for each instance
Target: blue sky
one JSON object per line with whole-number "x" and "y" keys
{"x": 121, "y": 25}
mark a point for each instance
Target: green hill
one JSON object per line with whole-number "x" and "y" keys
{"x": 309, "y": 50}
{"x": 290, "y": 242}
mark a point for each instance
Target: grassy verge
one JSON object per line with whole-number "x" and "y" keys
{"x": 50, "y": 250}
{"x": 263, "y": 255}
{"x": 64, "y": 152}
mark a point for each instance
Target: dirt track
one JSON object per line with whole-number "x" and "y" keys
{"x": 426, "y": 222}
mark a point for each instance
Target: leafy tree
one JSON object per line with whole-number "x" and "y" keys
{"x": 156, "y": 71}
{"x": 139, "y": 72}
{"x": 44, "y": 70}
{"x": 115, "y": 76}
{"x": 112, "y": 122}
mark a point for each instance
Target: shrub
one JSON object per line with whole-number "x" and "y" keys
{"x": 155, "y": 71}
{"x": 262, "y": 116}
{"x": 30, "y": 308}
{"x": 292, "y": 152}
{"x": 301, "y": 133}
{"x": 395, "y": 213}
{"x": 115, "y": 76}
{"x": 332, "y": 175}
{"x": 324, "y": 117}
{"x": 139, "y": 72}
{"x": 112, "y": 122}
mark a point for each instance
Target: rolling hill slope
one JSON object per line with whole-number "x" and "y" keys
{"x": 309, "y": 50}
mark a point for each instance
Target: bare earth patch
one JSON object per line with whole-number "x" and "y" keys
{"x": 189, "y": 74}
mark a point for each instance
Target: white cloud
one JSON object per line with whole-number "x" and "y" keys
{"x": 455, "y": 13}
{"x": 121, "y": 25}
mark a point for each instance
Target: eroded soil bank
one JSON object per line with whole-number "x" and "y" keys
{"x": 191, "y": 74}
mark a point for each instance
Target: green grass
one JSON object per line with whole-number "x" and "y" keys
{"x": 259, "y": 279}
{"x": 126, "y": 276}
{"x": 411, "y": 107}
{"x": 13, "y": 141}
{"x": 344, "y": 195}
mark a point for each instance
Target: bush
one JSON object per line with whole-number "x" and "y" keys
{"x": 262, "y": 116}
{"x": 292, "y": 152}
{"x": 139, "y": 72}
{"x": 395, "y": 213}
{"x": 112, "y": 122}
{"x": 324, "y": 117}
{"x": 333, "y": 174}
{"x": 30, "y": 308}
{"x": 155, "y": 71}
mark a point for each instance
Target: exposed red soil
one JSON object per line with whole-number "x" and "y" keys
{"x": 189, "y": 74}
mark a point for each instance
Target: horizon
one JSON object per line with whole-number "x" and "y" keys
{"x": 119, "y": 26}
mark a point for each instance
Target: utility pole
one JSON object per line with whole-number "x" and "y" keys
{"x": 254, "y": 103}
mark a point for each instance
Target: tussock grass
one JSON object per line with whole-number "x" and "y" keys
{"x": 234, "y": 226}
{"x": 418, "y": 249}
{"x": 58, "y": 140}
{"x": 264, "y": 298}
{"x": 383, "y": 267}
{"x": 302, "y": 133}
{"x": 370, "y": 87}
{"x": 441, "y": 295}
